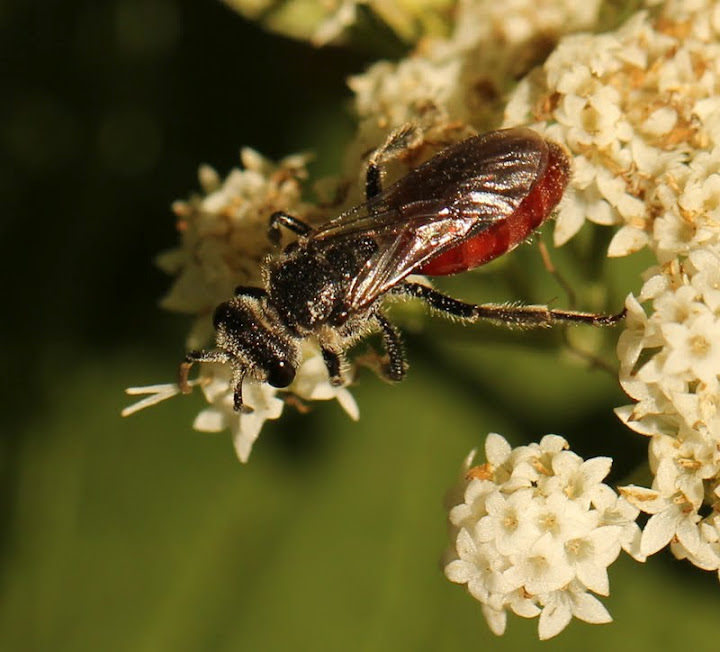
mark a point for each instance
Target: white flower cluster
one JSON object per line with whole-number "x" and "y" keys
{"x": 223, "y": 232}
{"x": 639, "y": 109}
{"x": 670, "y": 363}
{"x": 534, "y": 531}
{"x": 452, "y": 88}
{"x": 224, "y": 238}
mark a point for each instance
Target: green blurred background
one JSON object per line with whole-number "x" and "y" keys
{"x": 141, "y": 534}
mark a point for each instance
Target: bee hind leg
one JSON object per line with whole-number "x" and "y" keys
{"x": 521, "y": 316}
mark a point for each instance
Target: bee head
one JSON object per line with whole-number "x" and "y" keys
{"x": 248, "y": 329}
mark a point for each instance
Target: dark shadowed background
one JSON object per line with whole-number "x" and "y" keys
{"x": 142, "y": 534}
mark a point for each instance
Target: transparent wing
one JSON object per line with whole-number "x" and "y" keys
{"x": 458, "y": 193}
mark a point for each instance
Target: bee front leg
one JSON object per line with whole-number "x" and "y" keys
{"x": 223, "y": 357}
{"x": 199, "y": 356}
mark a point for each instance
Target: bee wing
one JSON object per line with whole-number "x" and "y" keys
{"x": 460, "y": 192}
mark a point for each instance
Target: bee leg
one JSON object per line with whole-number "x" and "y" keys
{"x": 539, "y": 316}
{"x": 437, "y": 300}
{"x": 199, "y": 356}
{"x": 280, "y": 218}
{"x": 373, "y": 180}
{"x": 521, "y": 316}
{"x": 238, "y": 375}
{"x": 333, "y": 362}
{"x": 396, "y": 366}
{"x": 400, "y": 139}
{"x": 214, "y": 356}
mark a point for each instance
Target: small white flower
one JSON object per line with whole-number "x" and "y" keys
{"x": 677, "y": 520}
{"x": 563, "y": 519}
{"x": 672, "y": 516}
{"x": 694, "y": 347}
{"x": 474, "y": 504}
{"x": 511, "y": 523}
{"x": 223, "y": 233}
{"x": 244, "y": 426}
{"x": 559, "y": 607}
{"x": 683, "y": 465}
{"x": 478, "y": 566}
{"x": 617, "y": 511}
{"x": 542, "y": 569}
{"x": 674, "y": 306}
{"x": 591, "y": 554}
{"x": 706, "y": 279}
{"x": 578, "y": 480}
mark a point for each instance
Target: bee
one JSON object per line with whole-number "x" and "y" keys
{"x": 469, "y": 204}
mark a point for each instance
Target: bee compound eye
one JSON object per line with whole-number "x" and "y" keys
{"x": 281, "y": 373}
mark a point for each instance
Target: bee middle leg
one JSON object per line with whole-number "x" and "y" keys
{"x": 395, "y": 368}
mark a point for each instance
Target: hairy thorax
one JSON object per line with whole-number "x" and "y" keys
{"x": 308, "y": 286}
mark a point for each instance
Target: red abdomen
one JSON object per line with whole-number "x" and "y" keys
{"x": 506, "y": 234}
